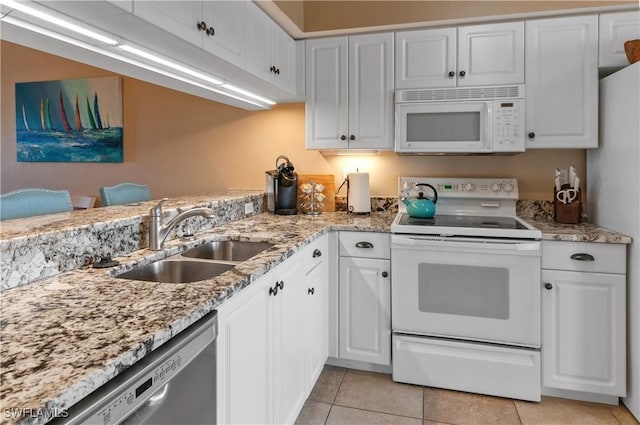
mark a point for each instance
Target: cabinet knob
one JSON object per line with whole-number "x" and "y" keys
{"x": 548, "y": 286}
{"x": 272, "y": 69}
{"x": 364, "y": 244}
{"x": 311, "y": 291}
{"x": 277, "y": 71}
{"x": 202, "y": 26}
{"x": 343, "y": 137}
{"x": 452, "y": 74}
{"x": 352, "y": 137}
{"x": 462, "y": 73}
{"x": 532, "y": 135}
{"x": 211, "y": 32}
{"x": 385, "y": 274}
{"x": 583, "y": 256}
{"x": 274, "y": 291}
{"x": 316, "y": 253}
{"x": 280, "y": 284}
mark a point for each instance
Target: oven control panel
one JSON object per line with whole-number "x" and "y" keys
{"x": 472, "y": 188}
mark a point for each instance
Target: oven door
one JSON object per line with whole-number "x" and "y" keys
{"x": 444, "y": 127}
{"x": 466, "y": 288}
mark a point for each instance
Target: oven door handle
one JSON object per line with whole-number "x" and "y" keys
{"x": 435, "y": 242}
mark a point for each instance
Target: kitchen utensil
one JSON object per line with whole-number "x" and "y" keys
{"x": 572, "y": 176}
{"x": 567, "y": 196}
{"x": 422, "y": 207}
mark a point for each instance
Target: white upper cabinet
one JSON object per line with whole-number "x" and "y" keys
{"x": 270, "y": 50}
{"x": 349, "y": 88}
{"x": 562, "y": 82}
{"x": 615, "y": 29}
{"x": 217, "y": 27}
{"x": 475, "y": 55}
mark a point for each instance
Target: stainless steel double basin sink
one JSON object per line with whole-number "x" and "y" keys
{"x": 199, "y": 263}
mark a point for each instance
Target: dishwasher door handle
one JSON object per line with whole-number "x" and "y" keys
{"x": 142, "y": 413}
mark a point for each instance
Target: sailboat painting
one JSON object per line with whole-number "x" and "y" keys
{"x": 70, "y": 120}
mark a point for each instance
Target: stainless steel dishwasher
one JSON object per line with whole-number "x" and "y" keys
{"x": 176, "y": 384}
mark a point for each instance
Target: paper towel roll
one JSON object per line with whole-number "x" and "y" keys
{"x": 359, "y": 198}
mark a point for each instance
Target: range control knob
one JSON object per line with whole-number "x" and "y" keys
{"x": 508, "y": 187}
{"x": 468, "y": 187}
{"x": 496, "y": 187}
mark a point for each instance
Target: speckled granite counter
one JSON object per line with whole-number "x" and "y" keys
{"x": 65, "y": 336}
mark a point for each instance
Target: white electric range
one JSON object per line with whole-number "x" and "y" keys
{"x": 466, "y": 290}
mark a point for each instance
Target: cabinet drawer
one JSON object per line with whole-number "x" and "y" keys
{"x": 314, "y": 253}
{"x": 584, "y": 256}
{"x": 364, "y": 244}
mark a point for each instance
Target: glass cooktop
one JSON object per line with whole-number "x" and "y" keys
{"x": 465, "y": 221}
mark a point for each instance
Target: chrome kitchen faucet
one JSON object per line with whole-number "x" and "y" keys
{"x": 158, "y": 232}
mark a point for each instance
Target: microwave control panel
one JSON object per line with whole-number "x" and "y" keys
{"x": 508, "y": 125}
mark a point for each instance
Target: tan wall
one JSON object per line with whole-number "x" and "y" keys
{"x": 181, "y": 144}
{"x": 322, "y": 15}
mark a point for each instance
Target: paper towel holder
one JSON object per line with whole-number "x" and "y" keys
{"x": 350, "y": 208}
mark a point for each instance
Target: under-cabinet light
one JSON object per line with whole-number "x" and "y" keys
{"x": 52, "y": 34}
{"x": 173, "y": 65}
{"x": 58, "y": 21}
{"x": 248, "y": 93}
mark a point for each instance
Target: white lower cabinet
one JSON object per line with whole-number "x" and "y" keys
{"x": 364, "y": 293}
{"x": 583, "y": 318}
{"x": 261, "y": 358}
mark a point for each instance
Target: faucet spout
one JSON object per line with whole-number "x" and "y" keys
{"x": 158, "y": 232}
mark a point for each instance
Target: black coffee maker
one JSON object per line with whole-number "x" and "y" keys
{"x": 282, "y": 188}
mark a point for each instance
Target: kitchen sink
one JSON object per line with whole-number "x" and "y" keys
{"x": 176, "y": 271}
{"x": 227, "y": 250}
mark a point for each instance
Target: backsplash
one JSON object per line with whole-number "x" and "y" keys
{"x": 38, "y": 247}
{"x": 378, "y": 203}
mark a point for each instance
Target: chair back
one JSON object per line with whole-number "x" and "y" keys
{"x": 33, "y": 201}
{"x": 124, "y": 193}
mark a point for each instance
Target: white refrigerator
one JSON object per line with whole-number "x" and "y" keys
{"x": 613, "y": 196}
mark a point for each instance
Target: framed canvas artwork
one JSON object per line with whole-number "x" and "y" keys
{"x": 69, "y": 120}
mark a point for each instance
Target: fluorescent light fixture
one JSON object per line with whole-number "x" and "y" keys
{"x": 248, "y": 94}
{"x": 57, "y": 21}
{"x": 90, "y": 47}
{"x": 353, "y": 152}
{"x": 173, "y": 65}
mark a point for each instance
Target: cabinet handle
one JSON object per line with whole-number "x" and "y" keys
{"x": 462, "y": 73}
{"x": 317, "y": 253}
{"x": 280, "y": 284}
{"x": 385, "y": 274}
{"x": 343, "y": 137}
{"x": 311, "y": 291}
{"x": 202, "y": 26}
{"x": 452, "y": 74}
{"x": 364, "y": 244}
{"x": 277, "y": 71}
{"x": 274, "y": 291}
{"x": 532, "y": 135}
{"x": 352, "y": 137}
{"x": 582, "y": 256}
{"x": 211, "y": 31}
{"x": 548, "y": 286}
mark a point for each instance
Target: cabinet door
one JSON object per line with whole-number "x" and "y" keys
{"x": 583, "y": 331}
{"x": 326, "y": 91}
{"x": 243, "y": 346}
{"x": 615, "y": 29}
{"x": 425, "y": 58}
{"x": 364, "y": 310}
{"x": 371, "y": 91}
{"x": 286, "y": 309}
{"x": 491, "y": 54}
{"x": 179, "y": 18}
{"x": 562, "y": 82}
{"x": 227, "y": 18}
{"x": 284, "y": 54}
{"x": 259, "y": 42}
{"x": 316, "y": 321}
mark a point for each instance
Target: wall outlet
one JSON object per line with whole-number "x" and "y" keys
{"x": 248, "y": 207}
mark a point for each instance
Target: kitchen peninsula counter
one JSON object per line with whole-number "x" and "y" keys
{"x": 64, "y": 336}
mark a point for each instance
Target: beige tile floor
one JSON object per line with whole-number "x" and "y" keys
{"x": 347, "y": 396}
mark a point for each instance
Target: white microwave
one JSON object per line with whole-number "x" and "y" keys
{"x": 469, "y": 120}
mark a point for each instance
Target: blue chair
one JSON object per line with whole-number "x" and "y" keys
{"x": 33, "y": 201}
{"x": 124, "y": 193}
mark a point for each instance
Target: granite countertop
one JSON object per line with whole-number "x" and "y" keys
{"x": 64, "y": 336}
